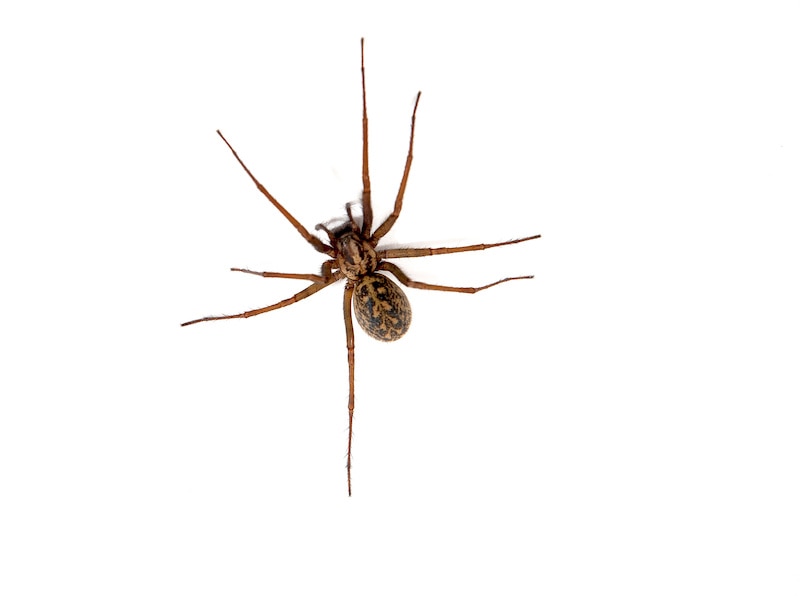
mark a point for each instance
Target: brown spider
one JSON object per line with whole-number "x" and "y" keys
{"x": 381, "y": 307}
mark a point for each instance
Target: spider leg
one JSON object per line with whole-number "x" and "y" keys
{"x": 384, "y": 228}
{"x": 326, "y": 273}
{"x": 366, "y": 193}
{"x": 404, "y": 279}
{"x": 397, "y": 253}
{"x": 351, "y": 354}
{"x": 312, "y": 289}
{"x": 318, "y": 244}
{"x": 306, "y": 276}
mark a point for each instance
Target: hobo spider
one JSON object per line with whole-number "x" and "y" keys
{"x": 381, "y": 307}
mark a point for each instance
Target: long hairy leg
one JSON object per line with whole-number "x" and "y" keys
{"x": 366, "y": 193}
{"x": 404, "y": 279}
{"x": 325, "y": 273}
{"x": 398, "y": 253}
{"x": 306, "y": 276}
{"x": 351, "y": 356}
{"x": 384, "y": 228}
{"x": 318, "y": 244}
{"x": 312, "y": 289}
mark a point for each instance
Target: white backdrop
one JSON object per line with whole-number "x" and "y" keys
{"x": 624, "y": 423}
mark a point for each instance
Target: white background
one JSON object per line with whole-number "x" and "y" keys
{"x": 624, "y": 423}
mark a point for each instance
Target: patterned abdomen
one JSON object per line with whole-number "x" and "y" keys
{"x": 381, "y": 308}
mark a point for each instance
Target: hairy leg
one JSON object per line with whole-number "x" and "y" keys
{"x": 404, "y": 279}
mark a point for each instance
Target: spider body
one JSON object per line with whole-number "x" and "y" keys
{"x": 354, "y": 256}
{"x": 382, "y": 309}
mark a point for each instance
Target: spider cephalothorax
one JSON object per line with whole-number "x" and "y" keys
{"x": 382, "y": 309}
{"x": 355, "y": 255}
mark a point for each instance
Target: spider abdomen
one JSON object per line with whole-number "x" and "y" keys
{"x": 381, "y": 307}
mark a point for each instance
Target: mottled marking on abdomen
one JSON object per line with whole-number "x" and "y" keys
{"x": 381, "y": 308}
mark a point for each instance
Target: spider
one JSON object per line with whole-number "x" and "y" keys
{"x": 382, "y": 309}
